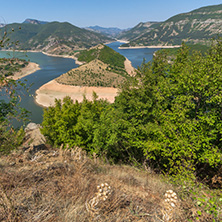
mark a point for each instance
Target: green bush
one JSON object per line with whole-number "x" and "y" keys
{"x": 169, "y": 116}
{"x": 72, "y": 123}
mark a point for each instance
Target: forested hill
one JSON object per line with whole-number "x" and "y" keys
{"x": 198, "y": 26}
{"x": 103, "y": 67}
{"x": 53, "y": 37}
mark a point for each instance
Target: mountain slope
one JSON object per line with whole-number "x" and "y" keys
{"x": 198, "y": 26}
{"x": 53, "y": 37}
{"x": 138, "y": 30}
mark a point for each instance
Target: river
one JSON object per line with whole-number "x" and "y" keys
{"x": 52, "y": 67}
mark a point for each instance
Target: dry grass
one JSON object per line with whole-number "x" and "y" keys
{"x": 94, "y": 73}
{"x": 44, "y": 184}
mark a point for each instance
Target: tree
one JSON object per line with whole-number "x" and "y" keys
{"x": 9, "y": 107}
{"x": 72, "y": 123}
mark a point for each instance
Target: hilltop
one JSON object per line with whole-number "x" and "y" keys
{"x": 198, "y": 26}
{"x": 102, "y": 66}
{"x": 52, "y": 37}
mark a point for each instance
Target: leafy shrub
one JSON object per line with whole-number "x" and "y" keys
{"x": 169, "y": 116}
{"x": 72, "y": 123}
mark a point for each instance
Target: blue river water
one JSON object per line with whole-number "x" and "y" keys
{"x": 52, "y": 67}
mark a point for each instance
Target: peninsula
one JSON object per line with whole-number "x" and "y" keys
{"x": 102, "y": 71}
{"x": 15, "y": 69}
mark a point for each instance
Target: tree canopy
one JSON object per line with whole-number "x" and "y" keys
{"x": 169, "y": 115}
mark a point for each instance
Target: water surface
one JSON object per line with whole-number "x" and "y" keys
{"x": 52, "y": 67}
{"x": 136, "y": 56}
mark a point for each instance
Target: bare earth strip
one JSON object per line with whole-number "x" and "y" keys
{"x": 46, "y": 94}
{"x": 129, "y": 68}
{"x": 64, "y": 56}
{"x": 29, "y": 69}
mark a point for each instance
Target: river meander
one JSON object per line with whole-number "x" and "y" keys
{"x": 52, "y": 67}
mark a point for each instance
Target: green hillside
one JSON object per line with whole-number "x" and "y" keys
{"x": 53, "y": 37}
{"x": 103, "y": 67}
{"x": 198, "y": 26}
{"x": 103, "y": 53}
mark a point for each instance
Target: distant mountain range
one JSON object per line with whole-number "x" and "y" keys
{"x": 52, "y": 37}
{"x": 112, "y": 32}
{"x": 198, "y": 26}
{"x": 34, "y": 21}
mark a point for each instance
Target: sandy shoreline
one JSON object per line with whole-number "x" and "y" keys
{"x": 46, "y": 94}
{"x": 64, "y": 56}
{"x": 151, "y": 47}
{"x": 29, "y": 69}
{"x": 129, "y": 68}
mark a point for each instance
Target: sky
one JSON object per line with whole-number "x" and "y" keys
{"x": 106, "y": 13}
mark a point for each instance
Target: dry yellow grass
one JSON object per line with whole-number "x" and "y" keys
{"x": 45, "y": 184}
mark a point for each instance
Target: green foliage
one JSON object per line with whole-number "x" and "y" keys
{"x": 11, "y": 65}
{"x": 104, "y": 54}
{"x": 171, "y": 113}
{"x": 87, "y": 55}
{"x": 208, "y": 202}
{"x": 111, "y": 57}
{"x": 10, "y": 139}
{"x": 10, "y": 110}
{"x": 172, "y": 53}
{"x": 169, "y": 116}
{"x": 72, "y": 123}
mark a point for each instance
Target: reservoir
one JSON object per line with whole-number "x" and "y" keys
{"x": 52, "y": 67}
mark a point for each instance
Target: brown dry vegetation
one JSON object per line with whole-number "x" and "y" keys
{"x": 40, "y": 183}
{"x": 94, "y": 73}
{"x": 53, "y": 185}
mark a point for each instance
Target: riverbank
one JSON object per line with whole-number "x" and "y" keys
{"x": 64, "y": 56}
{"x": 151, "y": 47}
{"x": 46, "y": 94}
{"x": 29, "y": 69}
{"x": 129, "y": 68}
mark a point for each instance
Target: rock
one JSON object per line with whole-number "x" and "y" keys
{"x": 31, "y": 126}
{"x": 33, "y": 136}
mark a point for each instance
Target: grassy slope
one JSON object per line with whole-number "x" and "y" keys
{"x": 45, "y": 184}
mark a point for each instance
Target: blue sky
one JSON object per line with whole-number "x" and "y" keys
{"x": 105, "y": 13}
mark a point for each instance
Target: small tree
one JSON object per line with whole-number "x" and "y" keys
{"x": 9, "y": 107}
